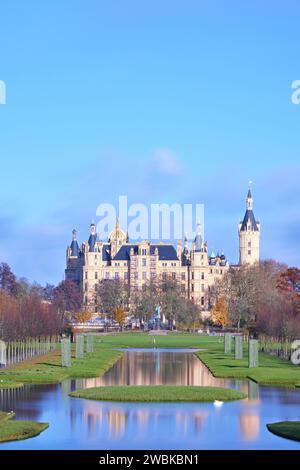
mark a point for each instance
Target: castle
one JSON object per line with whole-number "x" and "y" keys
{"x": 137, "y": 263}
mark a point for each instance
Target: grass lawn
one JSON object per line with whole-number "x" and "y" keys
{"x": 11, "y": 430}
{"x": 47, "y": 369}
{"x": 159, "y": 393}
{"x": 271, "y": 370}
{"x": 4, "y": 384}
{"x": 286, "y": 429}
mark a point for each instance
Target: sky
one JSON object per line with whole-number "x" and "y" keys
{"x": 165, "y": 102}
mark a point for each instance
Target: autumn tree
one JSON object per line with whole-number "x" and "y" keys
{"x": 219, "y": 312}
{"x": 119, "y": 316}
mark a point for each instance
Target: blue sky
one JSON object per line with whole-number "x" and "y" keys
{"x": 96, "y": 91}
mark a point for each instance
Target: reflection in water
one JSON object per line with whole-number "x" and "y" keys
{"x": 253, "y": 392}
{"x": 250, "y": 425}
{"x": 87, "y": 424}
{"x": 157, "y": 368}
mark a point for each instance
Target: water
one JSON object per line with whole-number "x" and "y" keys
{"x": 84, "y": 424}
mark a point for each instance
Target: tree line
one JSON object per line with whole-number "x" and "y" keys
{"x": 117, "y": 300}
{"x": 30, "y": 310}
{"x": 263, "y": 298}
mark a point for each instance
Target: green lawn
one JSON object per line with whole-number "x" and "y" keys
{"x": 11, "y": 430}
{"x": 271, "y": 370}
{"x": 47, "y": 369}
{"x": 286, "y": 429}
{"x": 159, "y": 393}
{"x": 4, "y": 384}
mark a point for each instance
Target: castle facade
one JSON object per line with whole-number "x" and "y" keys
{"x": 136, "y": 263}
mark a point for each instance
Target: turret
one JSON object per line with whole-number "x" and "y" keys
{"x": 93, "y": 237}
{"x": 74, "y": 248}
{"x": 249, "y": 235}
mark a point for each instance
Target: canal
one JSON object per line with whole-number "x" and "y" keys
{"x": 83, "y": 424}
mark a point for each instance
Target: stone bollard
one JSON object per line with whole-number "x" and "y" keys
{"x": 227, "y": 343}
{"x": 89, "y": 343}
{"x": 238, "y": 347}
{"x": 3, "y": 354}
{"x": 66, "y": 352}
{"x": 253, "y": 353}
{"x": 79, "y": 346}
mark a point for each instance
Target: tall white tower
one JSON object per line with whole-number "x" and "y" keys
{"x": 249, "y": 235}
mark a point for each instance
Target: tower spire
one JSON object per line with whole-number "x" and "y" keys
{"x": 249, "y": 233}
{"x": 74, "y": 244}
{"x": 249, "y": 200}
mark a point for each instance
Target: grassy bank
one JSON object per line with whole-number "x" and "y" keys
{"x": 159, "y": 393}
{"x": 11, "y": 430}
{"x": 271, "y": 370}
{"x": 286, "y": 429}
{"x": 4, "y": 384}
{"x": 47, "y": 369}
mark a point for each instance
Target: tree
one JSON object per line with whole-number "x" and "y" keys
{"x": 8, "y": 280}
{"x": 219, "y": 312}
{"x": 110, "y": 295}
{"x": 144, "y": 301}
{"x": 189, "y": 314}
{"x": 67, "y": 300}
{"x": 289, "y": 281}
{"x": 119, "y": 315}
{"x": 171, "y": 298}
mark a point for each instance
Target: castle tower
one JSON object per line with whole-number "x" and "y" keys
{"x": 249, "y": 235}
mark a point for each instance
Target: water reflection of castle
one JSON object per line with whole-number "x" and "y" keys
{"x": 159, "y": 369}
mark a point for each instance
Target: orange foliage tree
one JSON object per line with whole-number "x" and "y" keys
{"x": 220, "y": 312}
{"x": 119, "y": 315}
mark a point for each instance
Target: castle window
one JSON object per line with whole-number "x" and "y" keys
{"x": 202, "y": 287}
{"x": 144, "y": 276}
{"x": 96, "y": 276}
{"x": 202, "y": 301}
{"x": 144, "y": 262}
{"x": 249, "y": 244}
{"x": 126, "y": 276}
{"x": 192, "y": 287}
{"x": 152, "y": 275}
{"x": 136, "y": 276}
{"x": 174, "y": 276}
{"x": 183, "y": 276}
{"x": 86, "y": 275}
{"x": 202, "y": 276}
{"x": 144, "y": 251}
{"x": 107, "y": 275}
{"x": 164, "y": 276}
{"x": 86, "y": 287}
{"x": 117, "y": 276}
{"x": 193, "y": 276}
{"x": 249, "y": 252}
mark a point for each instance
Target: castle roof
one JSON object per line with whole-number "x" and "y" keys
{"x": 249, "y": 218}
{"x": 165, "y": 252}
